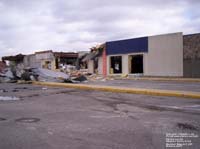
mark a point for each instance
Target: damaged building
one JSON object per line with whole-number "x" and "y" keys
{"x": 42, "y": 66}
{"x": 42, "y": 59}
{"x": 171, "y": 55}
{"x": 14, "y": 60}
{"x": 65, "y": 58}
{"x": 50, "y": 60}
{"x": 160, "y": 55}
{"x": 94, "y": 59}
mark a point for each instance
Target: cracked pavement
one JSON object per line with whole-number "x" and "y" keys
{"x": 47, "y": 117}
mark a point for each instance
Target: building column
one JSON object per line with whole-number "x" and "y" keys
{"x": 125, "y": 64}
{"x": 104, "y": 57}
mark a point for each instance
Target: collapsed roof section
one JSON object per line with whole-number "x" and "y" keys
{"x": 42, "y": 52}
{"x": 65, "y": 54}
{"x": 89, "y": 56}
{"x": 94, "y": 52}
{"x": 20, "y": 57}
{"x": 16, "y": 58}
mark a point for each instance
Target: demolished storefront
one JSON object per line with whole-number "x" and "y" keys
{"x": 65, "y": 58}
{"x": 50, "y": 60}
{"x": 42, "y": 66}
{"x": 14, "y": 60}
{"x": 42, "y": 59}
{"x": 16, "y": 65}
{"x": 94, "y": 59}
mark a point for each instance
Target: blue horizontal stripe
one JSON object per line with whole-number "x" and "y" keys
{"x": 127, "y": 46}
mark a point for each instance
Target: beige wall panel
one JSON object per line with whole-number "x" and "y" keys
{"x": 165, "y": 55}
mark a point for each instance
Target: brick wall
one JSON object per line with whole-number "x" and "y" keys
{"x": 2, "y": 66}
{"x": 191, "y": 46}
{"x": 191, "y": 55}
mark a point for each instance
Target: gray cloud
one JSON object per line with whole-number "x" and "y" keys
{"x": 28, "y": 26}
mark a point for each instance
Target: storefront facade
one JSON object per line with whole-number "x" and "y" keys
{"x": 160, "y": 55}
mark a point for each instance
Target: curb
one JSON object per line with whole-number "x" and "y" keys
{"x": 190, "y": 80}
{"x": 169, "y": 79}
{"x": 153, "y": 92}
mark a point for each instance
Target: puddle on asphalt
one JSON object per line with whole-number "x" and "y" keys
{"x": 2, "y": 119}
{"x": 186, "y": 126}
{"x": 3, "y": 91}
{"x": 193, "y": 106}
{"x": 27, "y": 120}
{"x": 19, "y": 88}
{"x": 67, "y": 92}
{"x": 8, "y": 98}
{"x": 15, "y": 90}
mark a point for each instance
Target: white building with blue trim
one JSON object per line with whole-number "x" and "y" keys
{"x": 159, "y": 55}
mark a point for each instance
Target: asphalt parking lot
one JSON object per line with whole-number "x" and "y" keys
{"x": 44, "y": 117}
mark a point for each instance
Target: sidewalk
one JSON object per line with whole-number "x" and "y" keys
{"x": 149, "y": 84}
{"x": 167, "y": 79}
{"x": 153, "y": 92}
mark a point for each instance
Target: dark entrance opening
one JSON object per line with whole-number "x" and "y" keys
{"x": 136, "y": 63}
{"x": 57, "y": 63}
{"x": 96, "y": 65}
{"x": 116, "y": 64}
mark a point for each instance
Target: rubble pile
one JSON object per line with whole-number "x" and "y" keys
{"x": 13, "y": 74}
{"x": 45, "y": 75}
{"x": 95, "y": 77}
{"x": 7, "y": 75}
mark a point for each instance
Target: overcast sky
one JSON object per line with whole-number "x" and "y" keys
{"x": 27, "y": 26}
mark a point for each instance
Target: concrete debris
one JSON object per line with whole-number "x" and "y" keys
{"x": 3, "y": 91}
{"x": 67, "y": 68}
{"x": 14, "y": 74}
{"x": 94, "y": 77}
{"x": 80, "y": 78}
{"x": 46, "y": 75}
{"x": 6, "y": 75}
{"x": 29, "y": 76}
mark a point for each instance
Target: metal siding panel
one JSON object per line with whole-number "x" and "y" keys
{"x": 127, "y": 46}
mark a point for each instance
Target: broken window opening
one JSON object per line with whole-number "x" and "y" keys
{"x": 136, "y": 64}
{"x": 116, "y": 64}
{"x": 57, "y": 63}
{"x": 96, "y": 65}
{"x": 47, "y": 65}
{"x": 68, "y": 61}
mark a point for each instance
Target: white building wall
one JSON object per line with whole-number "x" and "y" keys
{"x": 44, "y": 56}
{"x": 100, "y": 65}
{"x": 90, "y": 66}
{"x": 165, "y": 55}
{"x": 108, "y": 65}
{"x": 30, "y": 61}
{"x": 125, "y": 64}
